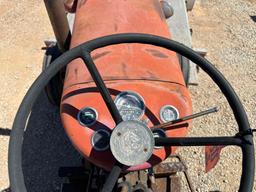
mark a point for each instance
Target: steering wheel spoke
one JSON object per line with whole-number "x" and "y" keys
{"x": 101, "y": 86}
{"x": 112, "y": 178}
{"x": 200, "y": 141}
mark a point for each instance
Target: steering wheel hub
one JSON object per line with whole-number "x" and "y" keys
{"x": 132, "y": 143}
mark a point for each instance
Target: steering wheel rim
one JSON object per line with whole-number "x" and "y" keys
{"x": 245, "y": 141}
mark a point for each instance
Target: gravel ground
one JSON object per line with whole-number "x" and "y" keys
{"x": 224, "y": 27}
{"x": 227, "y": 31}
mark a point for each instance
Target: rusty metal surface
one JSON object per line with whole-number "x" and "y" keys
{"x": 170, "y": 183}
{"x": 97, "y": 18}
{"x": 175, "y": 184}
{"x": 167, "y": 169}
{"x": 161, "y": 178}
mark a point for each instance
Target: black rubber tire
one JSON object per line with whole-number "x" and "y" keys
{"x": 54, "y": 88}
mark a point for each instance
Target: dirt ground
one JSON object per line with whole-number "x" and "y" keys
{"x": 226, "y": 28}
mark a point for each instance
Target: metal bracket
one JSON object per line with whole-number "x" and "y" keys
{"x": 169, "y": 170}
{"x": 247, "y": 132}
{"x": 180, "y": 30}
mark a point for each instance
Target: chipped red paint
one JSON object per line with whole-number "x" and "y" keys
{"x": 151, "y": 71}
{"x": 212, "y": 156}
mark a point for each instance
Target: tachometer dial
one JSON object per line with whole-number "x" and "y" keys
{"x": 130, "y": 105}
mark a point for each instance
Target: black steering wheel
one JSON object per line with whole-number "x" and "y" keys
{"x": 244, "y": 138}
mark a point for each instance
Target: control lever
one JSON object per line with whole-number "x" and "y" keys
{"x": 193, "y": 116}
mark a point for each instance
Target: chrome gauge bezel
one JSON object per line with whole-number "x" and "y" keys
{"x": 94, "y": 144}
{"x": 89, "y": 124}
{"x": 137, "y": 96}
{"x": 164, "y": 108}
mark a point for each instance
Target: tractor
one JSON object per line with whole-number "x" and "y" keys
{"x": 120, "y": 79}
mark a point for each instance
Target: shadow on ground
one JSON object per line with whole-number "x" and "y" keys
{"x": 46, "y": 148}
{"x": 253, "y": 17}
{"x": 5, "y": 131}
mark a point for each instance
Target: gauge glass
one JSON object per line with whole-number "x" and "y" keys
{"x": 168, "y": 113}
{"x": 100, "y": 140}
{"x": 130, "y": 105}
{"x": 87, "y": 116}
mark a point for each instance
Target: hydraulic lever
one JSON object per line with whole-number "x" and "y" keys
{"x": 193, "y": 116}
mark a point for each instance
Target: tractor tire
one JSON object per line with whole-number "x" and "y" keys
{"x": 55, "y": 87}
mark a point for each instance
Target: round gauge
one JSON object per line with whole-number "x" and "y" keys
{"x": 100, "y": 140}
{"x": 87, "y": 116}
{"x": 168, "y": 113}
{"x": 130, "y": 105}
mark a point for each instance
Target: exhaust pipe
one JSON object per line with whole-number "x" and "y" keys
{"x": 59, "y": 22}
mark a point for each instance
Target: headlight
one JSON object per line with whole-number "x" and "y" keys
{"x": 168, "y": 113}
{"x": 131, "y": 105}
